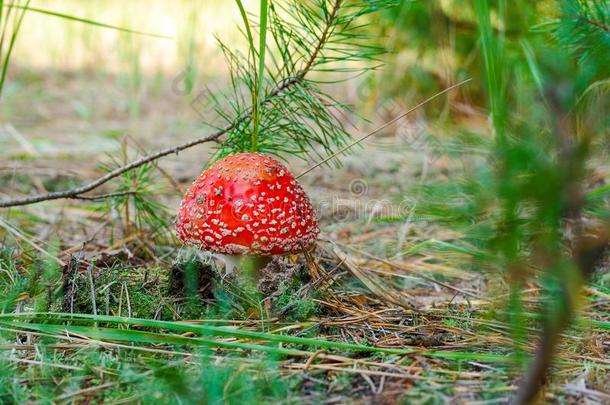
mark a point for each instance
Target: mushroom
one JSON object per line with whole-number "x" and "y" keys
{"x": 246, "y": 208}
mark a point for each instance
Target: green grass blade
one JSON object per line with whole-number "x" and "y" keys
{"x": 86, "y": 21}
{"x": 139, "y": 336}
{"x": 530, "y": 57}
{"x": 136, "y": 336}
{"x": 262, "y": 45}
{"x": 202, "y": 329}
{"x": 598, "y": 193}
{"x": 244, "y": 17}
{"x": 1, "y": 16}
{"x": 490, "y": 50}
{"x": 11, "y": 45}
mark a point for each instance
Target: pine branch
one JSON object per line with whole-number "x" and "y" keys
{"x": 318, "y": 36}
{"x": 589, "y": 247}
{"x": 584, "y": 28}
{"x": 104, "y": 196}
{"x": 78, "y": 191}
{"x": 323, "y": 37}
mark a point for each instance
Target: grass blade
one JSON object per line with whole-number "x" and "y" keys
{"x": 85, "y": 20}
{"x": 183, "y": 327}
{"x": 244, "y": 17}
{"x": 136, "y": 336}
{"x": 262, "y": 45}
{"x": 11, "y": 45}
{"x": 490, "y": 50}
{"x": 147, "y": 337}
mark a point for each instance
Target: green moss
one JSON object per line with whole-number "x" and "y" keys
{"x": 290, "y": 305}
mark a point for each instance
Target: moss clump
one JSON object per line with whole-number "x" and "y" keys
{"x": 290, "y": 302}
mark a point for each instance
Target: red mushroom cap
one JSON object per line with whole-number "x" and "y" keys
{"x": 247, "y": 203}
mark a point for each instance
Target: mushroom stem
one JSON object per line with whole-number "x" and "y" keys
{"x": 249, "y": 264}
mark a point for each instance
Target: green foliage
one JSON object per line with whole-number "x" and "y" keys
{"x": 135, "y": 198}
{"x": 290, "y": 305}
{"x": 11, "y": 282}
{"x": 492, "y": 53}
{"x": 519, "y": 204}
{"x": 145, "y": 378}
{"x": 11, "y": 17}
{"x": 584, "y": 29}
{"x": 291, "y": 114}
{"x": 42, "y": 285}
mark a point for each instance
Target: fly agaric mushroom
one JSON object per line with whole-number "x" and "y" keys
{"x": 247, "y": 205}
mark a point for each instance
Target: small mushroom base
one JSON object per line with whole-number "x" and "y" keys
{"x": 248, "y": 264}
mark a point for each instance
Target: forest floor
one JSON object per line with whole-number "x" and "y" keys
{"x": 408, "y": 316}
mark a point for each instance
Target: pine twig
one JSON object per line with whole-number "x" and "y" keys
{"x": 77, "y": 191}
{"x": 104, "y": 196}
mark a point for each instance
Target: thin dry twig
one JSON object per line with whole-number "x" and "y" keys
{"x": 409, "y": 111}
{"x": 78, "y": 191}
{"x": 103, "y": 196}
